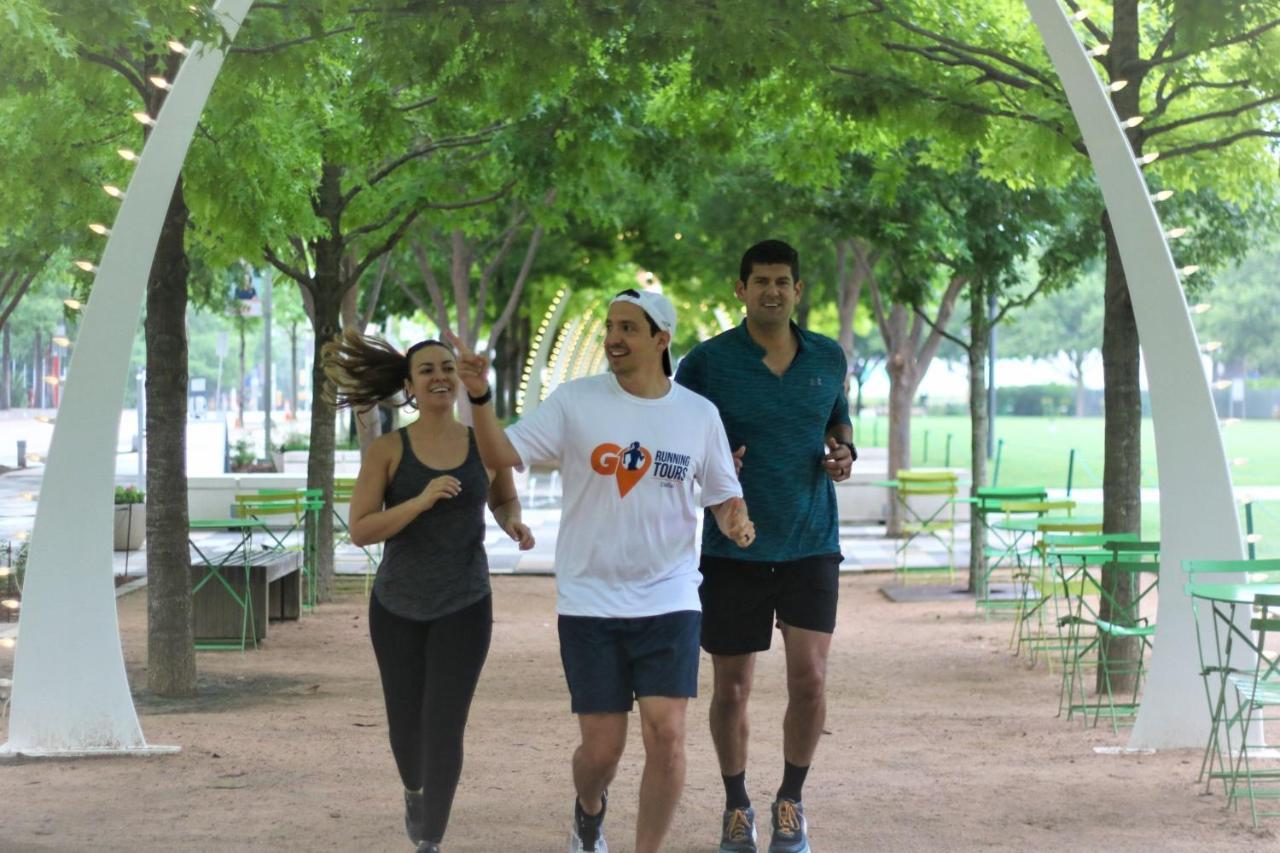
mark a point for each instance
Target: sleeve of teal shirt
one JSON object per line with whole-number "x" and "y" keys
{"x": 840, "y": 409}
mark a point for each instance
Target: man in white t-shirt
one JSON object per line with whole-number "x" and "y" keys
{"x": 630, "y": 445}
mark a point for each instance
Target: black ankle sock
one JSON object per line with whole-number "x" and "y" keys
{"x": 792, "y": 781}
{"x": 735, "y": 791}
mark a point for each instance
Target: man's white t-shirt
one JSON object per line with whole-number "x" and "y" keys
{"x": 627, "y": 546}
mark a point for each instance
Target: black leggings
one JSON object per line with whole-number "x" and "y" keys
{"x": 429, "y": 673}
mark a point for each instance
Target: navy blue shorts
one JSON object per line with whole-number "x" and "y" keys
{"x": 610, "y": 662}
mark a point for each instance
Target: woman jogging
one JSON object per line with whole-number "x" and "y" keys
{"x": 422, "y": 490}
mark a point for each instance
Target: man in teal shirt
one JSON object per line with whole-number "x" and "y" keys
{"x": 780, "y": 393}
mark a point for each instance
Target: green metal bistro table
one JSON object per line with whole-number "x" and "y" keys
{"x": 215, "y": 564}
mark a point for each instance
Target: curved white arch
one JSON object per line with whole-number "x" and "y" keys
{"x": 70, "y": 693}
{"x": 1197, "y": 510}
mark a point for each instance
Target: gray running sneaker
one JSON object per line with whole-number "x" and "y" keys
{"x": 587, "y": 833}
{"x": 738, "y": 832}
{"x": 790, "y": 830}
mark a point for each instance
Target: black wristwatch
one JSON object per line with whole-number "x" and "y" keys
{"x": 483, "y": 398}
{"x": 853, "y": 451}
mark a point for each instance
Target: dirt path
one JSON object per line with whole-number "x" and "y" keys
{"x": 939, "y": 740}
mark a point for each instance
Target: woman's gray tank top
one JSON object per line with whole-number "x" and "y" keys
{"x": 436, "y": 564}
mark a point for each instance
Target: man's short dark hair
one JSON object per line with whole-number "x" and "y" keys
{"x": 770, "y": 252}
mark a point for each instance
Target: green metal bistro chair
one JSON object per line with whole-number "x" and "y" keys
{"x": 1068, "y": 554}
{"x": 936, "y": 488}
{"x": 342, "y": 490}
{"x": 1259, "y": 695}
{"x": 302, "y": 507}
{"x": 1224, "y": 585}
{"x": 1133, "y": 569}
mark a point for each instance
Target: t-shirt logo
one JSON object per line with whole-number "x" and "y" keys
{"x": 628, "y": 464}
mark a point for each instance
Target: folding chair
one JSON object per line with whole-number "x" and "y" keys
{"x": 1126, "y": 583}
{"x": 933, "y": 512}
{"x": 303, "y": 507}
{"x": 1068, "y": 555}
{"x": 1224, "y": 585}
{"x": 1259, "y": 694}
{"x": 342, "y": 490}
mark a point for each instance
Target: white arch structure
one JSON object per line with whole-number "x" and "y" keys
{"x": 70, "y": 693}
{"x": 1197, "y": 508}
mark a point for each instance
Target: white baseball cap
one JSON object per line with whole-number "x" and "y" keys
{"x": 659, "y": 309}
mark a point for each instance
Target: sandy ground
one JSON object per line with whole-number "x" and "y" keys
{"x": 938, "y": 740}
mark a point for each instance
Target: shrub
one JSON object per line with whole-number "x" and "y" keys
{"x": 129, "y": 495}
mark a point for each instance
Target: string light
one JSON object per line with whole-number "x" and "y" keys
{"x": 1222, "y": 384}
{"x": 99, "y": 228}
{"x": 679, "y": 236}
{"x": 44, "y": 419}
{"x": 35, "y": 457}
{"x": 1134, "y": 121}
{"x": 28, "y": 496}
{"x": 1117, "y": 85}
{"x": 160, "y": 83}
{"x": 1189, "y": 269}
{"x": 73, "y": 304}
{"x": 144, "y": 118}
{"x": 52, "y": 380}
{"x": 1254, "y": 539}
{"x": 1201, "y": 308}
{"x": 1147, "y": 159}
{"x": 1100, "y": 50}
{"x": 5, "y": 571}
{"x": 60, "y": 340}
{"x": 1080, "y": 15}
{"x": 128, "y": 154}
{"x": 7, "y": 642}
{"x": 1163, "y": 195}
{"x": 113, "y": 190}
{"x": 87, "y": 266}
{"x": 1211, "y": 346}
{"x": 177, "y": 46}
{"x": 11, "y": 603}
{"x": 1175, "y": 233}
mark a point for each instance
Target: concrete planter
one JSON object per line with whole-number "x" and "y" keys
{"x": 130, "y": 526}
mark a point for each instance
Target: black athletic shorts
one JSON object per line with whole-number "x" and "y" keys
{"x": 740, "y": 599}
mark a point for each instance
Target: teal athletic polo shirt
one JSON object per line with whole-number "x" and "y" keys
{"x": 783, "y": 421}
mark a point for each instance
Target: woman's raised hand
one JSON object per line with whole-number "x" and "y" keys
{"x": 473, "y": 369}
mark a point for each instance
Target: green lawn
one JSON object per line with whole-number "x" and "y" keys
{"x": 1036, "y": 452}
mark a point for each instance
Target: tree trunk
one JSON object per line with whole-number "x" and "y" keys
{"x": 369, "y": 422}
{"x": 242, "y": 390}
{"x": 6, "y": 372}
{"x": 1122, "y": 453}
{"x": 323, "y": 428}
{"x": 293, "y": 368}
{"x": 980, "y": 423}
{"x": 37, "y": 373}
{"x": 1077, "y": 362}
{"x": 171, "y": 662}
{"x": 902, "y": 384}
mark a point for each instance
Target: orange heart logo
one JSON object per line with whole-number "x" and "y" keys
{"x": 628, "y": 464}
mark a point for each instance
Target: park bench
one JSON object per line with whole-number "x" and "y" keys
{"x": 234, "y": 596}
